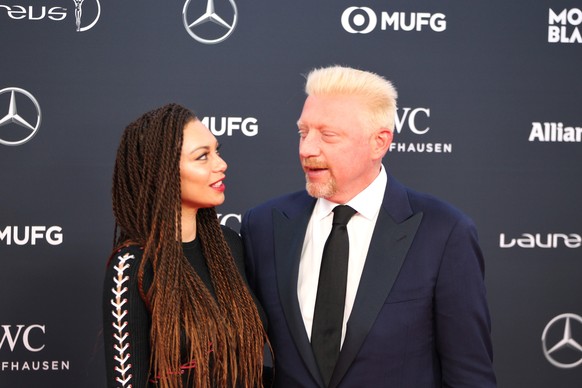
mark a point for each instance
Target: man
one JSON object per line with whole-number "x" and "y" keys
{"x": 414, "y": 312}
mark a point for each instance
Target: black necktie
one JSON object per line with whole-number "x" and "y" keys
{"x": 331, "y": 294}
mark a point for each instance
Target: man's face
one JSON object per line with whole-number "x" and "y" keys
{"x": 335, "y": 147}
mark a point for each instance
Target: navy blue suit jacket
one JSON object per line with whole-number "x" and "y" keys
{"x": 420, "y": 317}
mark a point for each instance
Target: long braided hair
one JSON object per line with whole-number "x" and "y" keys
{"x": 224, "y": 335}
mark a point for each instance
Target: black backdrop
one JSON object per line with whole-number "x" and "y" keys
{"x": 480, "y": 83}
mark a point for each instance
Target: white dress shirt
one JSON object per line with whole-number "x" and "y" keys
{"x": 360, "y": 228}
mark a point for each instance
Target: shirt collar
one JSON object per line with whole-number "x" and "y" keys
{"x": 367, "y": 203}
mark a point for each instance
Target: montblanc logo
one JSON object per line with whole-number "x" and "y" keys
{"x": 86, "y": 13}
{"x": 563, "y": 26}
{"x": 31, "y": 235}
{"x": 540, "y": 240}
{"x": 228, "y": 126}
{"x": 415, "y": 121}
{"x": 550, "y": 132}
{"x": 363, "y": 20}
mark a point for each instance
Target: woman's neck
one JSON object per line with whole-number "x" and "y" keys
{"x": 188, "y": 225}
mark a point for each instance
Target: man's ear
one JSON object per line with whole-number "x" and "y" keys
{"x": 381, "y": 141}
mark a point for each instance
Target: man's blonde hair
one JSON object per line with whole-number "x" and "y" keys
{"x": 378, "y": 94}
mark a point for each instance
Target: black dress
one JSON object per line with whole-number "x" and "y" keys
{"x": 126, "y": 320}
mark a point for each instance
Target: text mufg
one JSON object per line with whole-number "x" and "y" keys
{"x": 31, "y": 235}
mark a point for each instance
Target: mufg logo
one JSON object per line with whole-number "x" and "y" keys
{"x": 363, "y": 20}
{"x": 228, "y": 126}
{"x": 31, "y": 235}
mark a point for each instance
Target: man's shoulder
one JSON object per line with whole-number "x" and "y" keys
{"x": 435, "y": 207}
{"x": 285, "y": 201}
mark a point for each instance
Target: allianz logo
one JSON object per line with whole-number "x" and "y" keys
{"x": 553, "y": 132}
{"x": 541, "y": 240}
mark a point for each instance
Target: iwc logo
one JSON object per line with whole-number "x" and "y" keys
{"x": 208, "y": 24}
{"x": 561, "y": 341}
{"x": 22, "y": 118}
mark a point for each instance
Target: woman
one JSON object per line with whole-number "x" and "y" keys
{"x": 177, "y": 312}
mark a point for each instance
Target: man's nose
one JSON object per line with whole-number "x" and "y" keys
{"x": 309, "y": 145}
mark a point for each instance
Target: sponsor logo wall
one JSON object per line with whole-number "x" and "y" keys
{"x": 489, "y": 119}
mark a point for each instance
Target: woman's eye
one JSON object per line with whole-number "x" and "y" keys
{"x": 204, "y": 156}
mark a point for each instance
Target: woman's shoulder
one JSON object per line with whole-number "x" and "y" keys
{"x": 234, "y": 241}
{"x": 127, "y": 256}
{"x": 231, "y": 237}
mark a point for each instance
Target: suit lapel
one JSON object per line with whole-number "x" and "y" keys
{"x": 388, "y": 248}
{"x": 289, "y": 232}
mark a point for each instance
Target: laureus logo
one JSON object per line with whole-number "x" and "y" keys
{"x": 79, "y": 16}
{"x": 86, "y": 12}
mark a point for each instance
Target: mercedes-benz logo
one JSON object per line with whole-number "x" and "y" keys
{"x": 209, "y": 15}
{"x": 23, "y": 129}
{"x": 566, "y": 342}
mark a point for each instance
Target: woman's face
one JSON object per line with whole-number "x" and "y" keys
{"x": 201, "y": 168}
